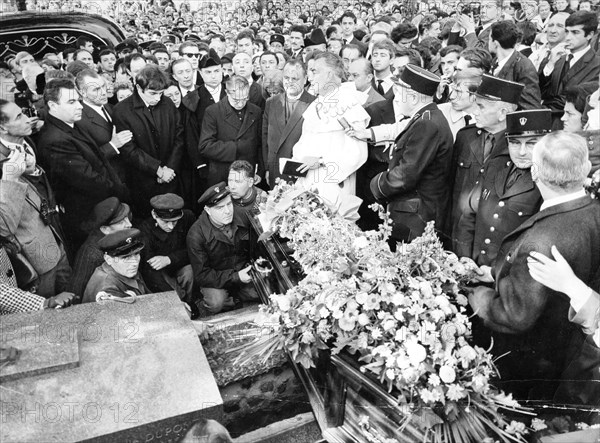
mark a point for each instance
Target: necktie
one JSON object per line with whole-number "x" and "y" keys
{"x": 513, "y": 176}
{"x": 565, "y": 67}
{"x": 488, "y": 146}
{"x": 467, "y": 120}
{"x": 494, "y": 66}
{"x": 106, "y": 116}
{"x": 380, "y": 87}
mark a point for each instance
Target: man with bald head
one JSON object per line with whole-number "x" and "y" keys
{"x": 361, "y": 73}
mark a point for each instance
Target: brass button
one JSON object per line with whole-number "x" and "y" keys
{"x": 520, "y": 213}
{"x": 501, "y": 204}
{"x": 492, "y": 229}
{"x": 483, "y": 252}
{"x": 495, "y": 216}
{"x": 487, "y": 241}
{"x": 481, "y": 170}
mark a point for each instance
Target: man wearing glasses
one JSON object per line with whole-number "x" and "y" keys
{"x": 190, "y": 51}
{"x": 231, "y": 130}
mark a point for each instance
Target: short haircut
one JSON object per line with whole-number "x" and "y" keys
{"x": 106, "y": 52}
{"x": 242, "y": 166}
{"x": 131, "y": 58}
{"x": 246, "y": 33}
{"x": 478, "y": 58}
{"x": 75, "y": 67}
{"x": 187, "y": 44}
{"x": 122, "y": 86}
{"x": 267, "y": 53}
{"x": 80, "y": 51}
{"x": 349, "y": 14}
{"x": 588, "y": 19}
{"x": 413, "y": 55}
{"x": 236, "y": 82}
{"x": 334, "y": 62}
{"x": 330, "y": 31}
{"x": 179, "y": 61}
{"x": 83, "y": 40}
{"x": 528, "y": 32}
{"x": 506, "y": 34}
{"x": 450, "y": 49}
{"x": 150, "y": 77}
{"x": 351, "y": 47}
{"x": 297, "y": 63}
{"x": 469, "y": 76}
{"x": 404, "y": 31}
{"x": 53, "y": 87}
{"x": 298, "y": 28}
{"x": 367, "y": 66}
{"x": 82, "y": 75}
{"x": 426, "y": 23}
{"x": 563, "y": 160}
{"x": 386, "y": 44}
{"x": 433, "y": 44}
{"x": 578, "y": 95}
{"x": 3, "y": 116}
{"x": 216, "y": 37}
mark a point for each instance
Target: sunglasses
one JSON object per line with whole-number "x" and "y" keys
{"x": 191, "y": 54}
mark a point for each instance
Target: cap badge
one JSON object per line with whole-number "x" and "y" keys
{"x": 128, "y": 240}
{"x": 523, "y": 120}
{"x": 217, "y": 189}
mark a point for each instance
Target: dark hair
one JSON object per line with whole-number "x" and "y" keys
{"x": 216, "y": 37}
{"x": 150, "y": 77}
{"x": 68, "y": 51}
{"x": 403, "y": 31}
{"x": 298, "y": 28}
{"x": 387, "y": 45}
{"x": 187, "y": 44}
{"x": 353, "y": 47}
{"x": 53, "y": 87}
{"x": 413, "y": 56}
{"x": 425, "y": 54}
{"x": 349, "y": 14}
{"x": 246, "y": 33}
{"x": 450, "y": 49}
{"x": 528, "y": 32}
{"x": 242, "y": 166}
{"x": 3, "y": 116}
{"x": 426, "y": 23}
{"x": 268, "y": 53}
{"x": 82, "y": 40}
{"x": 106, "y": 52}
{"x": 433, "y": 44}
{"x": 478, "y": 58}
{"x": 75, "y": 67}
{"x": 506, "y": 34}
{"x": 330, "y": 31}
{"x": 588, "y": 19}
{"x": 578, "y": 95}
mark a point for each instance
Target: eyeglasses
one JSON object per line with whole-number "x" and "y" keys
{"x": 192, "y": 54}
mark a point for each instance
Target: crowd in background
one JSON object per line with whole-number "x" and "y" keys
{"x": 134, "y": 169}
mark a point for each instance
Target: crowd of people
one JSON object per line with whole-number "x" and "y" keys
{"x": 135, "y": 169}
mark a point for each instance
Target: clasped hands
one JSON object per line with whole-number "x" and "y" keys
{"x": 165, "y": 174}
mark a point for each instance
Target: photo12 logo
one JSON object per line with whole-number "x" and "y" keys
{"x": 68, "y": 412}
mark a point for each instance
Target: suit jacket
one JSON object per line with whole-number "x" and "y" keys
{"x": 416, "y": 182}
{"x": 361, "y": 45}
{"x": 94, "y": 126}
{"x": 373, "y": 97}
{"x": 279, "y": 137}
{"x": 157, "y": 141}
{"x": 466, "y": 182}
{"x": 224, "y": 139}
{"x": 79, "y": 174}
{"x": 256, "y": 95}
{"x": 520, "y": 69}
{"x": 527, "y": 318}
{"x": 585, "y": 70}
{"x": 20, "y": 206}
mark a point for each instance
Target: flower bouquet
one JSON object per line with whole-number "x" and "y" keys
{"x": 401, "y": 314}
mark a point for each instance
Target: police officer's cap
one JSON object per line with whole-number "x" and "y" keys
{"x": 107, "y": 212}
{"x": 531, "y": 122}
{"x": 214, "y": 194}
{"x": 168, "y": 207}
{"x": 497, "y": 89}
{"x": 418, "y": 79}
{"x": 277, "y": 38}
{"x": 122, "y": 243}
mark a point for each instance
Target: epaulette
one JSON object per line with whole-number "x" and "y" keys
{"x": 426, "y": 115}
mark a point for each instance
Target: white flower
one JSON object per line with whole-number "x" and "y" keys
{"x": 581, "y": 425}
{"x": 361, "y": 297}
{"x": 388, "y": 325}
{"x": 516, "y": 427}
{"x": 429, "y": 396}
{"x": 455, "y": 392}
{"x": 347, "y": 323}
{"x": 360, "y": 242}
{"x": 363, "y": 319}
{"x": 538, "y": 424}
{"x": 480, "y": 383}
{"x": 398, "y": 298}
{"x": 447, "y": 374}
{"x": 376, "y": 334}
{"x": 401, "y": 334}
{"x": 434, "y": 380}
{"x": 416, "y": 352}
{"x": 402, "y": 362}
{"x": 324, "y": 312}
{"x": 390, "y": 374}
{"x": 426, "y": 290}
{"x": 284, "y": 303}
{"x": 351, "y": 305}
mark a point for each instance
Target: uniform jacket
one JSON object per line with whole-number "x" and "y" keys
{"x": 215, "y": 258}
{"x": 592, "y": 139}
{"x": 416, "y": 182}
{"x": 157, "y": 141}
{"x": 169, "y": 244}
{"x": 501, "y": 209}
{"x": 79, "y": 173}
{"x": 20, "y": 205}
{"x": 278, "y": 138}
{"x": 224, "y": 138}
{"x": 585, "y": 70}
{"x": 94, "y": 126}
{"x": 106, "y": 279}
{"x": 466, "y": 183}
{"x": 520, "y": 69}
{"x": 526, "y": 317}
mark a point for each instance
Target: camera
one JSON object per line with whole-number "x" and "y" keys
{"x": 46, "y": 212}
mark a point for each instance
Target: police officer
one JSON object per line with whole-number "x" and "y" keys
{"x": 416, "y": 181}
{"x": 218, "y": 246}
{"x": 118, "y": 276}
{"x": 475, "y": 146}
{"x": 165, "y": 262}
{"x": 509, "y": 196}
